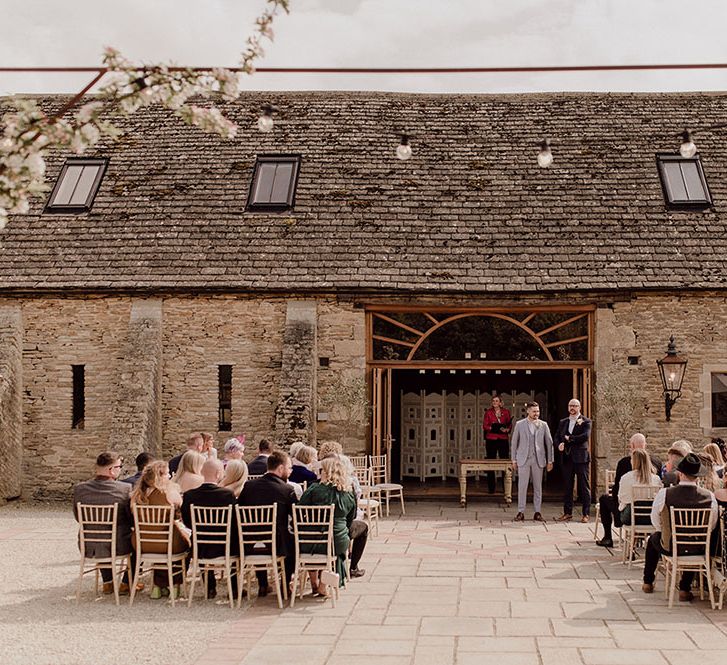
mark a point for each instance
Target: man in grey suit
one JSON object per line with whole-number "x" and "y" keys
{"x": 104, "y": 489}
{"x": 532, "y": 451}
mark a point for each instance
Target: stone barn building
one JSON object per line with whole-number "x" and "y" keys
{"x": 307, "y": 284}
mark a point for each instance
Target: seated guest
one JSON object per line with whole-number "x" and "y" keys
{"x": 328, "y": 448}
{"x": 234, "y": 449}
{"x": 156, "y": 489}
{"x": 208, "y": 446}
{"x": 273, "y": 488}
{"x": 641, "y": 474}
{"x": 304, "y": 457}
{"x": 195, "y": 443}
{"x": 712, "y": 449}
{"x": 333, "y": 448}
{"x": 142, "y": 459}
{"x": 189, "y": 473}
{"x": 685, "y": 494}
{"x": 235, "y": 476}
{"x": 104, "y": 489}
{"x": 335, "y": 488}
{"x": 609, "y": 503}
{"x": 259, "y": 465}
{"x": 209, "y": 494}
{"x": 710, "y": 480}
{"x": 677, "y": 451}
{"x": 294, "y": 447}
{"x": 721, "y": 445}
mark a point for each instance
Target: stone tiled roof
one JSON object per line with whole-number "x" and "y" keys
{"x": 470, "y": 212}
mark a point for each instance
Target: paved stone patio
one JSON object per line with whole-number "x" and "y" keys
{"x": 444, "y": 586}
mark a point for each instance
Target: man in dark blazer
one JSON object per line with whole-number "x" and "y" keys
{"x": 208, "y": 494}
{"x": 104, "y": 489}
{"x": 571, "y": 438}
{"x": 685, "y": 494}
{"x": 142, "y": 460}
{"x": 259, "y": 465}
{"x": 272, "y": 488}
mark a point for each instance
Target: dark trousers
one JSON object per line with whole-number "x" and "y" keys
{"x": 571, "y": 471}
{"x": 654, "y": 550}
{"x": 608, "y": 507}
{"x": 107, "y": 576}
{"x": 495, "y": 448}
{"x": 359, "y": 533}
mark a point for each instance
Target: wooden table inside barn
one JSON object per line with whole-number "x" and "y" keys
{"x": 468, "y": 465}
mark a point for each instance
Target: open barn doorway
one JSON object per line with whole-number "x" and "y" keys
{"x": 434, "y": 371}
{"x": 437, "y": 420}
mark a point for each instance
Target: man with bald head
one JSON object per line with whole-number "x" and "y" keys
{"x": 608, "y": 503}
{"x": 208, "y": 494}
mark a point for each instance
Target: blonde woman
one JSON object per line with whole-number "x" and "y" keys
{"x": 328, "y": 448}
{"x": 156, "y": 489}
{"x": 334, "y": 489}
{"x": 710, "y": 480}
{"x": 189, "y": 473}
{"x": 641, "y": 474}
{"x": 235, "y": 476}
{"x": 712, "y": 449}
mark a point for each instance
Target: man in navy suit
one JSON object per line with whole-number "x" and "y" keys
{"x": 572, "y": 440}
{"x": 259, "y": 465}
{"x": 273, "y": 487}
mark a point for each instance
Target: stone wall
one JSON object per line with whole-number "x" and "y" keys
{"x": 296, "y": 408}
{"x": 152, "y": 375}
{"x": 11, "y": 409}
{"x": 137, "y": 419}
{"x": 60, "y": 333}
{"x": 342, "y": 346}
{"x": 637, "y": 331}
{"x": 199, "y": 334}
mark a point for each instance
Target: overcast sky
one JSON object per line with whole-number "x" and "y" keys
{"x": 379, "y": 33}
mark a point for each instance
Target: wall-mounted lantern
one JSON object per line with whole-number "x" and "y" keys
{"x": 671, "y": 370}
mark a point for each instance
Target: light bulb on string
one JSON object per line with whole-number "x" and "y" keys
{"x": 687, "y": 149}
{"x": 265, "y": 122}
{"x": 403, "y": 150}
{"x": 545, "y": 156}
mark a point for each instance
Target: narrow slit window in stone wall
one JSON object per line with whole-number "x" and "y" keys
{"x": 79, "y": 396}
{"x": 224, "y": 373}
{"x": 719, "y": 399}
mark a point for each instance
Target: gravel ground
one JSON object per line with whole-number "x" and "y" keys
{"x": 42, "y": 623}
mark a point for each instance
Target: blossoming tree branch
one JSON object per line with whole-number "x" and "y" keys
{"x": 29, "y": 132}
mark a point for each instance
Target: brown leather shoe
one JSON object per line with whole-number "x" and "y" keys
{"x": 565, "y": 517}
{"x": 520, "y": 517}
{"x": 108, "y": 588}
{"x": 585, "y": 519}
{"x": 647, "y": 588}
{"x": 686, "y": 596}
{"x": 123, "y": 589}
{"x": 538, "y": 518}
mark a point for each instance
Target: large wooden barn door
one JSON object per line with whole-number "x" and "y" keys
{"x": 381, "y": 412}
{"x": 582, "y": 389}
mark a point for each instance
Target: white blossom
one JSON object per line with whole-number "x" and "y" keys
{"x": 87, "y": 112}
{"x": 28, "y": 131}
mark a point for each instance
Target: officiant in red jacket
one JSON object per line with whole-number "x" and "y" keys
{"x": 496, "y": 426}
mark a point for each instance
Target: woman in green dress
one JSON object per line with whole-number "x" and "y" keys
{"x": 334, "y": 489}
